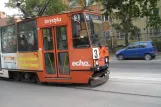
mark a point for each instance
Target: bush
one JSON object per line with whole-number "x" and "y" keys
{"x": 158, "y": 45}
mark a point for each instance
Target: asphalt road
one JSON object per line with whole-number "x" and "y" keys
{"x": 130, "y": 85}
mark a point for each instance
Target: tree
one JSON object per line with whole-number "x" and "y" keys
{"x": 10, "y": 20}
{"x": 127, "y": 11}
{"x": 82, "y": 3}
{"x": 134, "y": 30}
{"x": 34, "y": 6}
{"x": 154, "y": 19}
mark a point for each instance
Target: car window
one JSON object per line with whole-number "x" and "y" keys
{"x": 143, "y": 45}
{"x": 133, "y": 45}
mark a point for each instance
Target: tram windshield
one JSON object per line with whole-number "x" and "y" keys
{"x": 96, "y": 31}
{"x": 79, "y": 31}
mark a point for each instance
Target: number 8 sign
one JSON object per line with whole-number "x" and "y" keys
{"x": 95, "y": 53}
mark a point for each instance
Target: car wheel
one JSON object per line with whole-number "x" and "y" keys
{"x": 120, "y": 57}
{"x": 148, "y": 57}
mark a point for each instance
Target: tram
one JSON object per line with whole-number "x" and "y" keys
{"x": 62, "y": 48}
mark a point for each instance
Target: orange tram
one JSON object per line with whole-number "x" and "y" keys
{"x": 62, "y": 48}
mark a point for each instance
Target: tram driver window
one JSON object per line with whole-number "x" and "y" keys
{"x": 79, "y": 31}
{"x": 27, "y": 36}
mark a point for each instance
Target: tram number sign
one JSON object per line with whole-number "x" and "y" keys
{"x": 76, "y": 17}
{"x": 95, "y": 53}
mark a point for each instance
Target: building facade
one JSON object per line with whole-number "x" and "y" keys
{"x": 145, "y": 34}
{"x": 3, "y": 19}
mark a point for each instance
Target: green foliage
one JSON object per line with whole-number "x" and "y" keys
{"x": 34, "y": 6}
{"x": 154, "y": 19}
{"x": 128, "y": 10}
{"x": 157, "y": 42}
{"x": 75, "y": 3}
{"x": 117, "y": 27}
{"x": 10, "y": 20}
{"x": 133, "y": 30}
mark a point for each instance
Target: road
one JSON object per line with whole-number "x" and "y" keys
{"x": 130, "y": 85}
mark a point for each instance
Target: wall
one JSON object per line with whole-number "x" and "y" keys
{"x": 2, "y": 14}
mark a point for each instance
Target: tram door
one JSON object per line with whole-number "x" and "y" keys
{"x": 56, "y": 52}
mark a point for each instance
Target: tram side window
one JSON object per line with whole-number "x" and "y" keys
{"x": 79, "y": 32}
{"x": 48, "y": 40}
{"x": 8, "y": 41}
{"x": 27, "y": 36}
{"x": 61, "y": 38}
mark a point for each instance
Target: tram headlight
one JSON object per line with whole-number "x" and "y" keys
{"x": 96, "y": 62}
{"x": 106, "y": 60}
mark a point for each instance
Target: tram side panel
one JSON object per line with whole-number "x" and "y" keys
{"x": 7, "y": 62}
{"x": 22, "y": 61}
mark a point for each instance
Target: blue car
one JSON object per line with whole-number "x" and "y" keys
{"x": 146, "y": 50}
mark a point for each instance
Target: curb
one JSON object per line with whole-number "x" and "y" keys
{"x": 136, "y": 61}
{"x": 157, "y": 60}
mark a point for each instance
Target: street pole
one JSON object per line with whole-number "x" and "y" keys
{"x": 147, "y": 28}
{"x": 111, "y": 33}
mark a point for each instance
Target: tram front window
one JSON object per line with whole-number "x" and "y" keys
{"x": 95, "y": 26}
{"x": 79, "y": 31}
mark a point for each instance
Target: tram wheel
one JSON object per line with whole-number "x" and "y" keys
{"x": 38, "y": 81}
{"x": 16, "y": 76}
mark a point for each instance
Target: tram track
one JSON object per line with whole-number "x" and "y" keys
{"x": 115, "y": 92}
{"x": 88, "y": 88}
{"x": 143, "y": 82}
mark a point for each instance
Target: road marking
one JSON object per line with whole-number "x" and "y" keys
{"x": 136, "y": 78}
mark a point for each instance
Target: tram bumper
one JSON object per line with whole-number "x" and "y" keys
{"x": 99, "y": 68}
{"x": 100, "y": 76}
